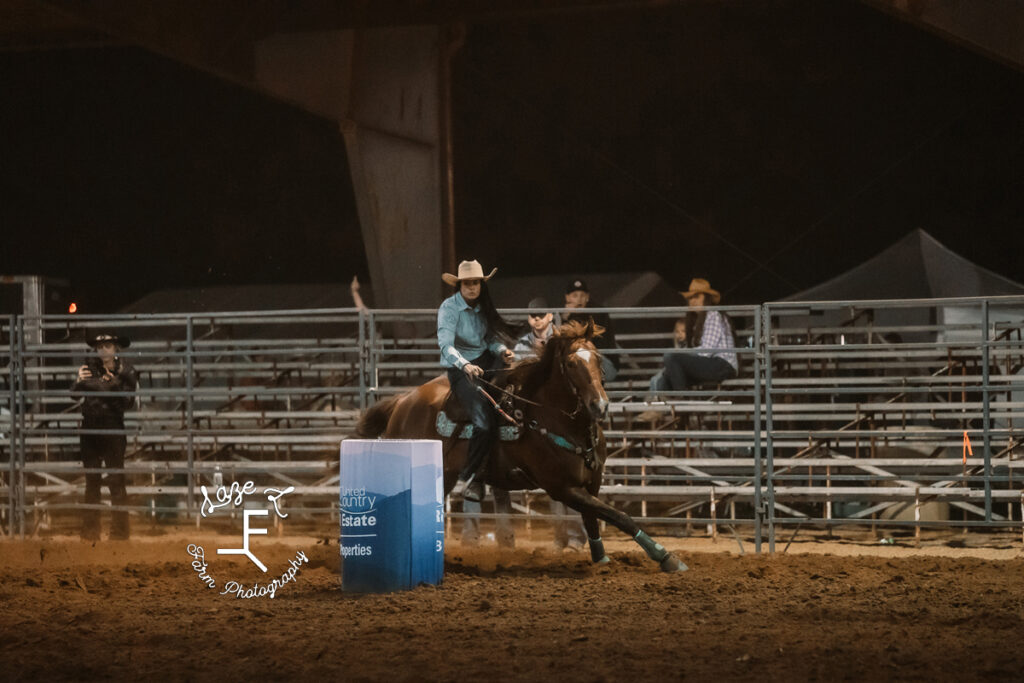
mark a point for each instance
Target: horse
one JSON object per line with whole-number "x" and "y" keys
{"x": 557, "y": 400}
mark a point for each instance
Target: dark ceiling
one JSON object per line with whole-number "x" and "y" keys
{"x": 766, "y": 146}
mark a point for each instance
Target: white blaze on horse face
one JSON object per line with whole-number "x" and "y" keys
{"x": 591, "y": 363}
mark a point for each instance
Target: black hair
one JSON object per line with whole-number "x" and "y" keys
{"x": 695, "y": 327}
{"x": 496, "y": 325}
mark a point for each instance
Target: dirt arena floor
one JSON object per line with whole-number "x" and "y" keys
{"x": 821, "y": 611}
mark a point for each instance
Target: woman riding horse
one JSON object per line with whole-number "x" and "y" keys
{"x": 470, "y": 332}
{"x": 558, "y": 401}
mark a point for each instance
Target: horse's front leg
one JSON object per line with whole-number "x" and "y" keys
{"x": 592, "y": 508}
{"x": 597, "y": 554}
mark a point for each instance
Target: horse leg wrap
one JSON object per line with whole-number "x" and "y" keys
{"x": 654, "y": 550}
{"x": 597, "y": 555}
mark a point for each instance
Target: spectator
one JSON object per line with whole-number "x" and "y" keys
{"x": 541, "y": 326}
{"x": 709, "y": 331}
{"x": 357, "y": 298}
{"x": 503, "y": 531}
{"x": 97, "y": 380}
{"x": 577, "y": 295}
{"x": 469, "y": 334}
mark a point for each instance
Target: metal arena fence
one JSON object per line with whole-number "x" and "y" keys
{"x": 851, "y": 413}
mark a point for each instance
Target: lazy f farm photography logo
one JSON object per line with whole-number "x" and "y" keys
{"x": 234, "y": 497}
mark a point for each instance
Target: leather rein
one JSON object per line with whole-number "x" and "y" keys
{"x": 516, "y": 418}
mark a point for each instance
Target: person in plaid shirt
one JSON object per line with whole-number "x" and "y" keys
{"x": 706, "y": 330}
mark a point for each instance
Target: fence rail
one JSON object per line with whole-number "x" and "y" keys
{"x": 842, "y": 413}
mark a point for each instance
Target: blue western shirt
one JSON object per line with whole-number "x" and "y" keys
{"x": 462, "y": 333}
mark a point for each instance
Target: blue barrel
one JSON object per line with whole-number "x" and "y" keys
{"x": 391, "y": 507}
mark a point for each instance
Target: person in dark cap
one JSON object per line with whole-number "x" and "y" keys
{"x": 577, "y": 295}
{"x": 103, "y": 384}
{"x": 541, "y": 325}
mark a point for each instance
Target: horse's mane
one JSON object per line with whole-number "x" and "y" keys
{"x": 532, "y": 373}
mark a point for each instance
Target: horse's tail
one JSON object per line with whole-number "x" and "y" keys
{"x": 374, "y": 421}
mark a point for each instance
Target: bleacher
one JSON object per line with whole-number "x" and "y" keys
{"x": 847, "y": 416}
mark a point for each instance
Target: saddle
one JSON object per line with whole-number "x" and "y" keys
{"x": 453, "y": 420}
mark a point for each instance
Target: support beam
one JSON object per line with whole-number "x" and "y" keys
{"x": 392, "y": 134}
{"x": 383, "y": 85}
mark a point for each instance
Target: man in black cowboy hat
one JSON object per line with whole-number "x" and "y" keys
{"x": 103, "y": 384}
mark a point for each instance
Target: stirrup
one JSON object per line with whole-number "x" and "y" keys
{"x": 472, "y": 490}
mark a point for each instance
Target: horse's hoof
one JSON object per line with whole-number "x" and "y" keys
{"x": 604, "y": 560}
{"x": 672, "y": 564}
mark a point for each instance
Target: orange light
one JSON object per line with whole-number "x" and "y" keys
{"x": 73, "y": 307}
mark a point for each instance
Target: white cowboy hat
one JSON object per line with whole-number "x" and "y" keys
{"x": 468, "y": 270}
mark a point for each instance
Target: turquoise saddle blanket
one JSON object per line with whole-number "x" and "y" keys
{"x": 446, "y": 427}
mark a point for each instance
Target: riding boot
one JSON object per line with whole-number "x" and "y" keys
{"x": 479, "y": 449}
{"x": 473, "y": 490}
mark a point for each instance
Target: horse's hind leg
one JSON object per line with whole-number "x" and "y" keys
{"x": 597, "y": 554}
{"x": 593, "y": 508}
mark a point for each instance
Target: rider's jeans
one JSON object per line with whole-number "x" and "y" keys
{"x": 481, "y": 413}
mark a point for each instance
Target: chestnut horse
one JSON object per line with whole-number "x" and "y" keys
{"x": 557, "y": 400}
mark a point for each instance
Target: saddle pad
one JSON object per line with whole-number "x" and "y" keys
{"x": 446, "y": 427}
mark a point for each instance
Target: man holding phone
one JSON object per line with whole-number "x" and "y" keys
{"x": 104, "y": 384}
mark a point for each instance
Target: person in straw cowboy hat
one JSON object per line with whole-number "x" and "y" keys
{"x": 709, "y": 331}
{"x": 98, "y": 381}
{"x": 472, "y": 336}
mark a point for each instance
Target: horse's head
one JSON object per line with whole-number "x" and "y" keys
{"x": 569, "y": 358}
{"x": 581, "y": 362}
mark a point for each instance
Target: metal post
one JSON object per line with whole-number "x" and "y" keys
{"x": 188, "y": 415}
{"x": 643, "y": 482}
{"x": 758, "y": 469}
{"x": 917, "y": 516}
{"x": 713, "y": 526}
{"x": 371, "y": 365}
{"x": 19, "y": 487}
{"x": 986, "y": 420}
{"x": 362, "y": 359}
{"x": 12, "y": 433}
{"x": 770, "y": 448}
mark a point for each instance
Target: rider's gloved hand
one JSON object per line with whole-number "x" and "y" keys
{"x": 472, "y": 370}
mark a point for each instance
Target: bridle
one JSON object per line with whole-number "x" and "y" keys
{"x": 510, "y": 397}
